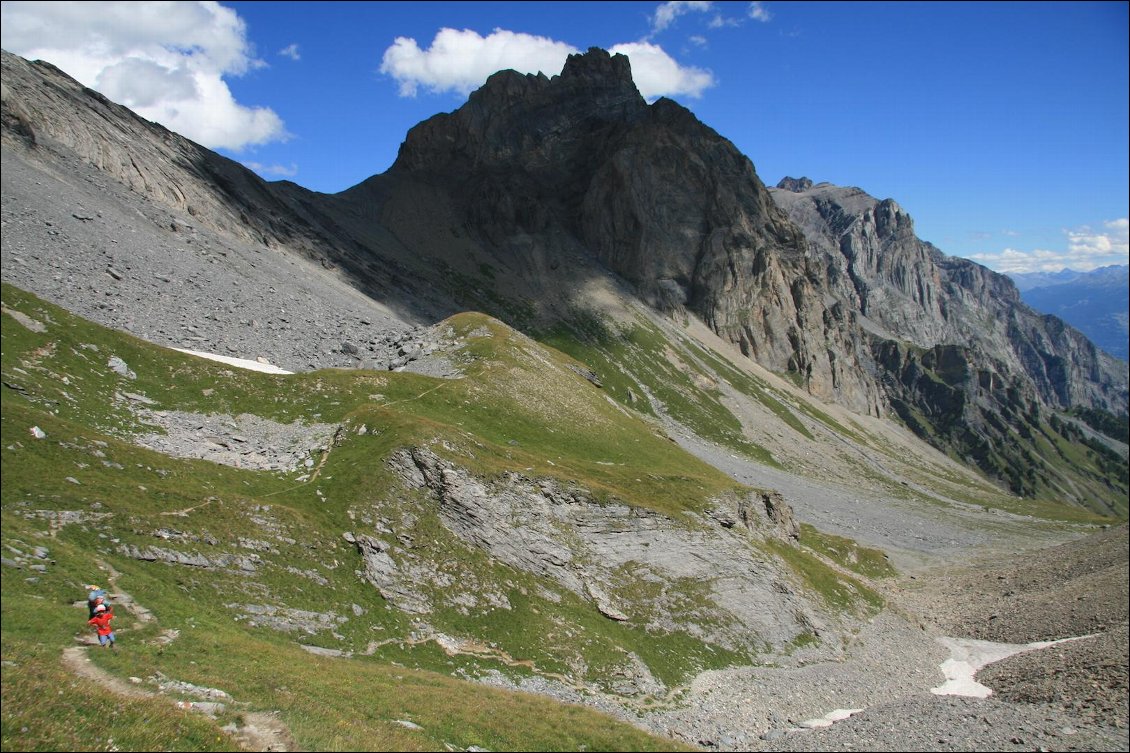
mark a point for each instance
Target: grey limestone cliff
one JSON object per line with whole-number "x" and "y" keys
{"x": 961, "y": 358}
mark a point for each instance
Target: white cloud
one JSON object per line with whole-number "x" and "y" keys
{"x": 164, "y": 60}
{"x": 1086, "y": 250}
{"x": 719, "y": 21}
{"x": 273, "y": 171}
{"x": 460, "y": 61}
{"x": 666, "y": 13}
{"x": 1013, "y": 260}
{"x": 291, "y": 51}
{"x": 144, "y": 83}
{"x": 759, "y": 12}
{"x": 1116, "y": 241}
{"x": 658, "y": 75}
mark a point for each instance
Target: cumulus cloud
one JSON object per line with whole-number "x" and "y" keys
{"x": 758, "y": 12}
{"x": 142, "y": 83}
{"x": 1087, "y": 249}
{"x": 164, "y": 60}
{"x": 666, "y": 13}
{"x": 460, "y": 61}
{"x": 291, "y": 51}
{"x": 658, "y": 75}
{"x": 1115, "y": 241}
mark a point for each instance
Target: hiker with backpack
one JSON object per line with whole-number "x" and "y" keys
{"x": 96, "y": 596}
{"x": 101, "y": 623}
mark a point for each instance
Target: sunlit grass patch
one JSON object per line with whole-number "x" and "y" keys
{"x": 847, "y": 553}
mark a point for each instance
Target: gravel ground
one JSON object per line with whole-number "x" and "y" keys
{"x": 167, "y": 280}
{"x": 1015, "y": 587}
{"x": 1071, "y": 696}
{"x": 917, "y": 530}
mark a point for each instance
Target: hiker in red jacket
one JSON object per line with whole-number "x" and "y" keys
{"x": 101, "y": 622}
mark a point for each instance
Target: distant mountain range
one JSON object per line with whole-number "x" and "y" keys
{"x": 1096, "y": 303}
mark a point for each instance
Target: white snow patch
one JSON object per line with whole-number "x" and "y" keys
{"x": 968, "y": 656}
{"x": 838, "y": 715}
{"x": 243, "y": 363}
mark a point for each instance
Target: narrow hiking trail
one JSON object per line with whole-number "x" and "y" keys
{"x": 256, "y": 730}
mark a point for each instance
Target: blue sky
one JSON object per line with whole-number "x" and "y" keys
{"x": 1002, "y": 128}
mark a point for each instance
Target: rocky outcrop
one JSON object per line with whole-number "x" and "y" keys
{"x": 244, "y": 563}
{"x": 797, "y": 185}
{"x": 747, "y": 599}
{"x": 384, "y": 574}
{"x": 904, "y": 289}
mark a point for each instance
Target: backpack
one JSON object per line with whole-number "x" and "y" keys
{"x": 93, "y": 595}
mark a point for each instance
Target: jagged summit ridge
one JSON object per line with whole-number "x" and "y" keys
{"x": 600, "y": 68}
{"x": 523, "y": 117}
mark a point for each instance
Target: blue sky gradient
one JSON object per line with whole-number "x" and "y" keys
{"x": 1001, "y": 127}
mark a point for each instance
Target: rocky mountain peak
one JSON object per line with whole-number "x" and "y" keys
{"x": 528, "y": 119}
{"x": 599, "y": 68}
{"x": 796, "y": 185}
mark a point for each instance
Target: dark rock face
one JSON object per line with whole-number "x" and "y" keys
{"x": 796, "y": 185}
{"x": 534, "y": 171}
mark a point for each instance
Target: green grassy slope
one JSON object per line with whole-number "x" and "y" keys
{"x": 280, "y": 573}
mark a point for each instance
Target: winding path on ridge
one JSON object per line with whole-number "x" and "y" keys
{"x": 261, "y": 731}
